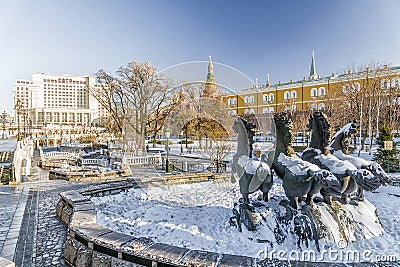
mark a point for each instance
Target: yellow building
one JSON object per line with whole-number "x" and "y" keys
{"x": 312, "y": 93}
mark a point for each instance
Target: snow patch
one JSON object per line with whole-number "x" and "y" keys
{"x": 296, "y": 165}
{"x": 356, "y": 161}
{"x": 334, "y": 164}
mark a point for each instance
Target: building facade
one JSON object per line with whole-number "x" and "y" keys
{"x": 312, "y": 93}
{"x": 53, "y": 99}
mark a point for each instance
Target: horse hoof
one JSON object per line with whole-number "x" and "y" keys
{"x": 352, "y": 202}
{"x": 318, "y": 199}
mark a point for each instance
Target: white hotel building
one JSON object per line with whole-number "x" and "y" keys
{"x": 56, "y": 100}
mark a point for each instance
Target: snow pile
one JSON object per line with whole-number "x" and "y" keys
{"x": 296, "y": 165}
{"x": 334, "y": 164}
{"x": 356, "y": 161}
{"x": 345, "y": 130}
{"x": 196, "y": 216}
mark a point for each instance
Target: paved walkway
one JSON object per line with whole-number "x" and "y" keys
{"x": 12, "y": 207}
{"x": 30, "y": 232}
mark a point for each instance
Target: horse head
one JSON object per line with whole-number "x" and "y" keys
{"x": 321, "y": 133}
{"x": 341, "y": 140}
{"x": 346, "y": 136}
{"x": 284, "y": 136}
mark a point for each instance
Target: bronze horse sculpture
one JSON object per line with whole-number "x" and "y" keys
{"x": 249, "y": 164}
{"x": 299, "y": 176}
{"x": 339, "y": 147}
{"x": 318, "y": 153}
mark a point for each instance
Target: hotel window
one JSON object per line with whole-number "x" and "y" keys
{"x": 321, "y": 91}
{"x": 265, "y": 98}
{"x": 286, "y": 95}
{"x": 321, "y": 106}
{"x": 271, "y": 110}
{"x": 246, "y": 100}
{"x": 313, "y": 92}
{"x": 229, "y": 101}
{"x": 312, "y": 107}
{"x": 233, "y": 101}
{"x": 294, "y": 94}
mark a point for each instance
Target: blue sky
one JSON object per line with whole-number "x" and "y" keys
{"x": 255, "y": 37}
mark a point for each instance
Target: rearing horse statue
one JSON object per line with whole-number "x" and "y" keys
{"x": 339, "y": 147}
{"x": 318, "y": 153}
{"x": 298, "y": 175}
{"x": 249, "y": 164}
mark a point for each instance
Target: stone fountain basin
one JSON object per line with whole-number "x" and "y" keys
{"x": 168, "y": 223}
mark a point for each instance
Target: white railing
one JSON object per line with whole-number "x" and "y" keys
{"x": 97, "y": 162}
{"x": 76, "y": 144}
{"x": 132, "y": 160}
{"x": 59, "y": 155}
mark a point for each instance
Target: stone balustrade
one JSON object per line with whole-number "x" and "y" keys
{"x": 55, "y": 155}
{"x": 133, "y": 160}
{"x": 96, "y": 162}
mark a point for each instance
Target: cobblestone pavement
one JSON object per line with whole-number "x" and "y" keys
{"x": 12, "y": 206}
{"x": 39, "y": 238}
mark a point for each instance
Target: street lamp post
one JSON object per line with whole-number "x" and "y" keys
{"x": 18, "y": 107}
{"x": 24, "y": 117}
{"x": 167, "y": 135}
{"x": 3, "y": 117}
{"x": 30, "y": 128}
{"x": 181, "y": 142}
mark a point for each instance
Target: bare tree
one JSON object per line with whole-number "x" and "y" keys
{"x": 111, "y": 96}
{"x": 162, "y": 109}
{"x": 363, "y": 95}
{"x": 219, "y": 152}
{"x": 138, "y": 99}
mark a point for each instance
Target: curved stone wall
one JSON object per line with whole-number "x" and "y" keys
{"x": 91, "y": 244}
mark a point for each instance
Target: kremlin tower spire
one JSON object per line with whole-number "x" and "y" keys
{"x": 211, "y": 88}
{"x": 313, "y": 70}
{"x": 210, "y": 66}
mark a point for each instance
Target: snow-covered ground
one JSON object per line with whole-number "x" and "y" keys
{"x": 8, "y": 144}
{"x": 196, "y": 216}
